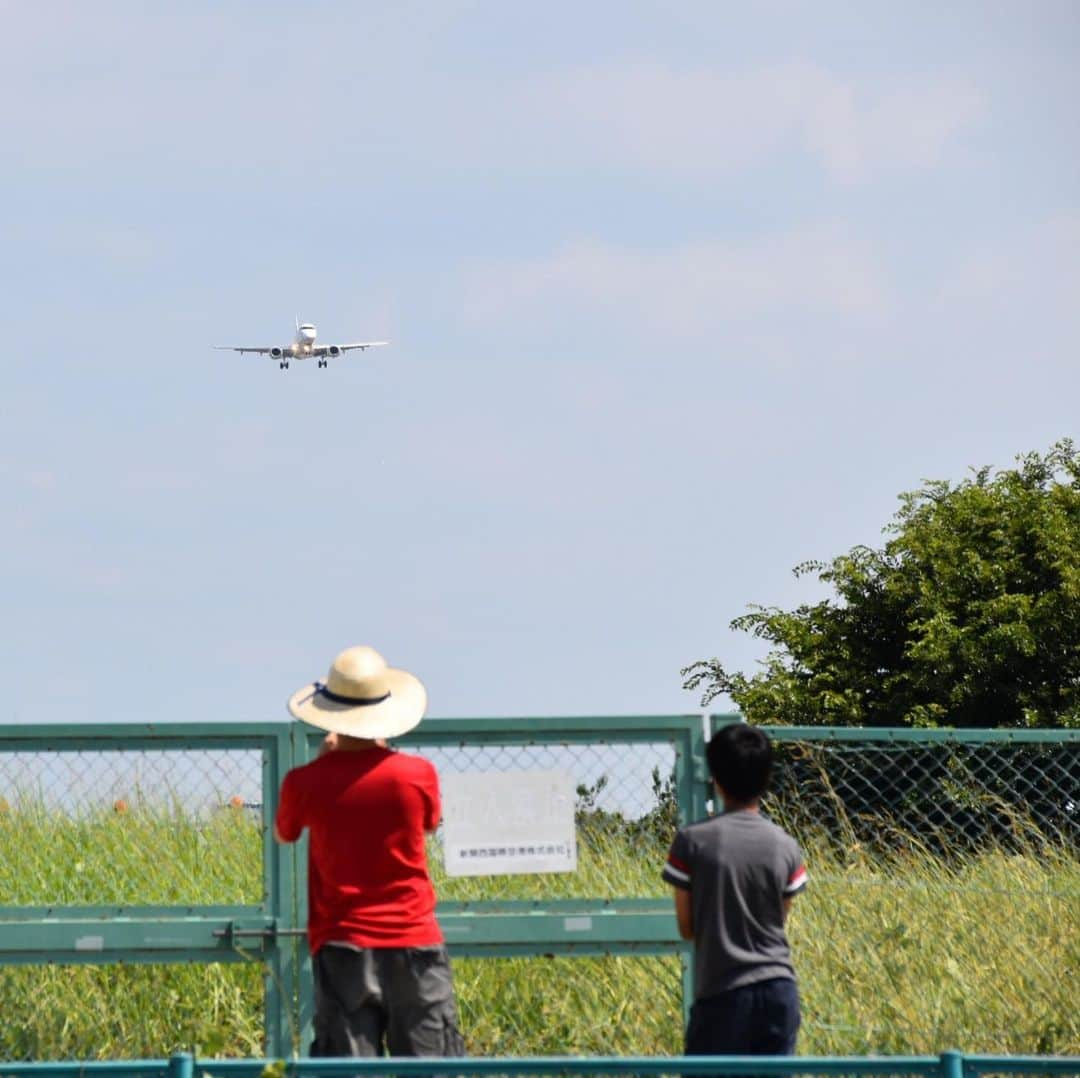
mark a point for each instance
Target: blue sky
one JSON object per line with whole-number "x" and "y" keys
{"x": 680, "y": 295}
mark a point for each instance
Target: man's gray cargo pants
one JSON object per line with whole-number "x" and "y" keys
{"x": 397, "y": 1000}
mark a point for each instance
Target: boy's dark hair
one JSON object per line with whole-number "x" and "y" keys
{"x": 740, "y": 760}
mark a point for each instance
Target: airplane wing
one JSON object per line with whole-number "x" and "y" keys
{"x": 337, "y": 349}
{"x": 233, "y": 348}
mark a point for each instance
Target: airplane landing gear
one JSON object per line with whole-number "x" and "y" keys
{"x": 322, "y": 362}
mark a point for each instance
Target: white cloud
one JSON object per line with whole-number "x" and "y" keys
{"x": 979, "y": 277}
{"x": 1035, "y": 271}
{"x": 912, "y": 126}
{"x": 687, "y": 290}
{"x": 126, "y": 246}
{"x": 647, "y": 115}
{"x": 42, "y": 480}
{"x": 220, "y": 93}
{"x": 710, "y": 122}
{"x": 1011, "y": 309}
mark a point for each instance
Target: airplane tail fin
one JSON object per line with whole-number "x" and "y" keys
{"x": 297, "y": 318}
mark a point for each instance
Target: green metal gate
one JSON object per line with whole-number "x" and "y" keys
{"x": 604, "y": 921}
{"x": 185, "y": 771}
{"x": 65, "y": 778}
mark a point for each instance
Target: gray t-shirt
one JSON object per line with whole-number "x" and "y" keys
{"x": 739, "y": 868}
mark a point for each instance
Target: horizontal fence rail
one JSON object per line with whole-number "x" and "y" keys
{"x": 946, "y": 1065}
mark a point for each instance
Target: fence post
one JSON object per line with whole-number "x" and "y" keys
{"x": 692, "y": 780}
{"x": 280, "y": 964}
{"x": 182, "y": 1065}
{"x": 305, "y": 988}
{"x": 952, "y": 1065}
{"x": 686, "y": 965}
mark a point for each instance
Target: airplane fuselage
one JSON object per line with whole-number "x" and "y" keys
{"x": 305, "y": 340}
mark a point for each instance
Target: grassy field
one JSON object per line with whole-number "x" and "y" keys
{"x": 904, "y": 954}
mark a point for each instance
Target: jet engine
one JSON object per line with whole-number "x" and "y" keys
{"x": 333, "y": 350}
{"x": 277, "y": 353}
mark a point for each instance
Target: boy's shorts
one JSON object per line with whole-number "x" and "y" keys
{"x": 398, "y": 997}
{"x": 759, "y": 1019}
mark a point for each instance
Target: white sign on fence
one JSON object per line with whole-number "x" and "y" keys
{"x": 508, "y": 822}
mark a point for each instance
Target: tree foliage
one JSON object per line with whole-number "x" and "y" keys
{"x": 657, "y": 825}
{"x": 968, "y": 616}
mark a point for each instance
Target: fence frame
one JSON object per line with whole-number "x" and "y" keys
{"x": 98, "y": 935}
{"x": 564, "y": 926}
{"x": 272, "y": 930}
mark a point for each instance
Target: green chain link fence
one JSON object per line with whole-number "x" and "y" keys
{"x": 945, "y": 885}
{"x": 86, "y": 827}
{"x": 943, "y": 906}
{"x": 952, "y": 793}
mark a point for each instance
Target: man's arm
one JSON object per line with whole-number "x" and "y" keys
{"x": 287, "y": 825}
{"x": 677, "y": 872}
{"x": 796, "y": 882}
{"x": 432, "y": 800}
{"x": 684, "y": 913}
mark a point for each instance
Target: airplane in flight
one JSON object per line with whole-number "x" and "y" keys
{"x": 304, "y": 347}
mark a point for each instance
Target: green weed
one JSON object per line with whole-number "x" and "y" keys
{"x": 899, "y": 953}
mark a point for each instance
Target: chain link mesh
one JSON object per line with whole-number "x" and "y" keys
{"x": 121, "y": 1011}
{"x": 944, "y": 903}
{"x": 951, "y": 797}
{"x": 625, "y": 818}
{"x": 944, "y": 906}
{"x": 604, "y": 1005}
{"x": 130, "y": 827}
{"x": 626, "y": 802}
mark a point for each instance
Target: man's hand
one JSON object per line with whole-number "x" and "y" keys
{"x": 329, "y": 744}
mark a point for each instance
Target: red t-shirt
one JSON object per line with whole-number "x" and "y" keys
{"x": 366, "y": 813}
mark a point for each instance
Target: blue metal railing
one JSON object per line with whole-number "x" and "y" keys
{"x": 949, "y": 1064}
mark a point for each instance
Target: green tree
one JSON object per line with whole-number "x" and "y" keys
{"x": 968, "y": 616}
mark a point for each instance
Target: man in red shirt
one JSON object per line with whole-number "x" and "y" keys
{"x": 382, "y": 976}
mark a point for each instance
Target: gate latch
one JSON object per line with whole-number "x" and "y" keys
{"x": 266, "y": 933}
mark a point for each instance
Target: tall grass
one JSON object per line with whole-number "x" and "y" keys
{"x": 898, "y": 953}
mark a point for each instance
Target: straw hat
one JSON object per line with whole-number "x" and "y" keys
{"x": 362, "y": 697}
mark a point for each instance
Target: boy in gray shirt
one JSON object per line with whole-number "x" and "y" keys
{"x": 734, "y": 877}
